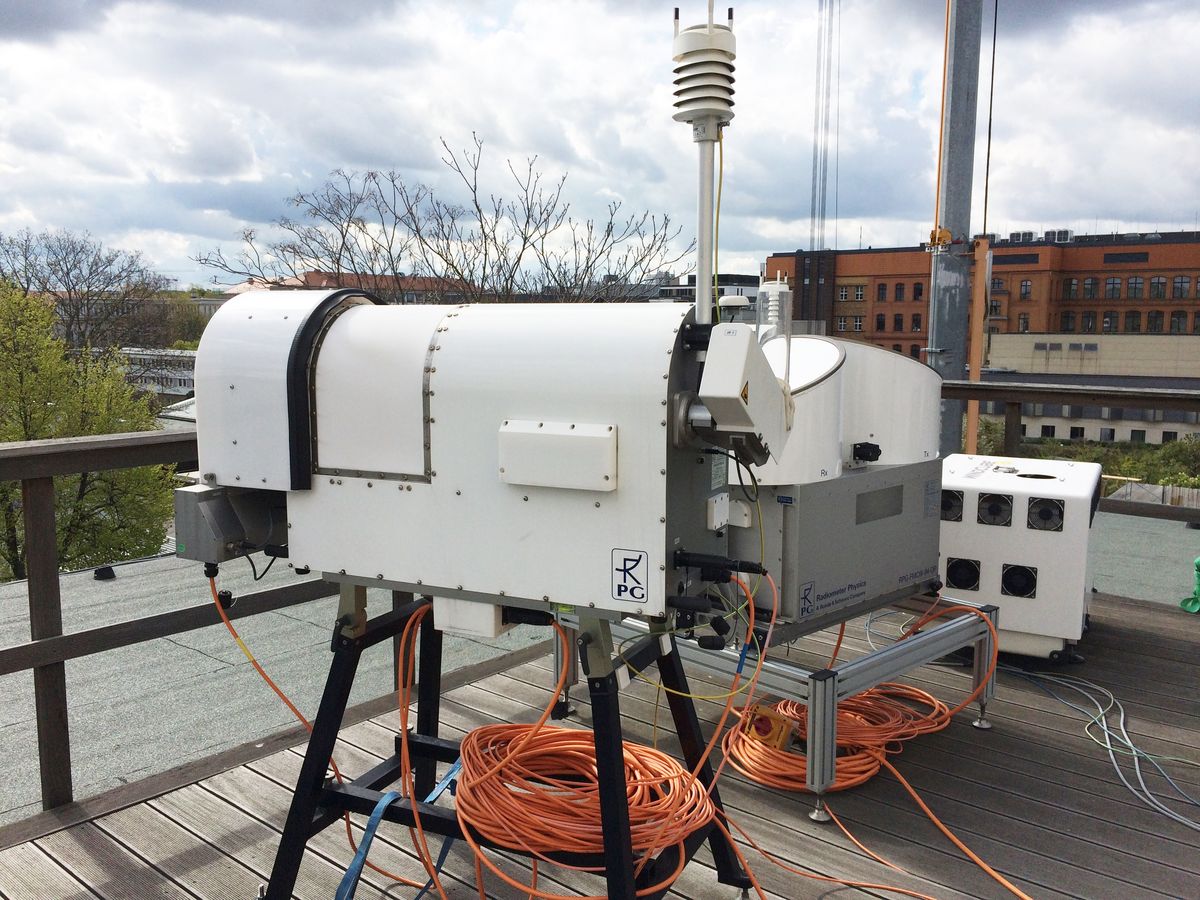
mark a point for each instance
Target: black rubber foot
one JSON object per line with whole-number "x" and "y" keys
{"x": 562, "y": 709}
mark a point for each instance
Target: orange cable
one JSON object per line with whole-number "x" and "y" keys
{"x": 837, "y": 647}
{"x": 212, "y": 583}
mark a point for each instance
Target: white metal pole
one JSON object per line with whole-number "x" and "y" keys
{"x": 704, "y": 231}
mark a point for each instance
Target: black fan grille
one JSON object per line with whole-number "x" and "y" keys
{"x": 1045, "y": 514}
{"x": 995, "y": 509}
{"x": 952, "y": 506}
{"x": 962, "y": 574}
{"x": 1018, "y": 581}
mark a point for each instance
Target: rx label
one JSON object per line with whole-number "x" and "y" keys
{"x": 630, "y": 569}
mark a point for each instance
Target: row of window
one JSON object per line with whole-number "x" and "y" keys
{"x": 880, "y": 322}
{"x": 1026, "y": 288}
{"x": 914, "y": 350}
{"x": 881, "y": 291}
{"x": 1104, "y": 413}
{"x": 1110, "y": 319}
{"x": 1108, "y": 435}
{"x": 1135, "y": 288}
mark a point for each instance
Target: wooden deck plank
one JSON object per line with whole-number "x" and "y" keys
{"x": 234, "y": 832}
{"x": 1034, "y": 796}
{"x": 28, "y": 873}
{"x": 106, "y": 867}
{"x": 176, "y": 852}
{"x": 1070, "y": 851}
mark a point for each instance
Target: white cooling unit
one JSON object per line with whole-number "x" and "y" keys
{"x": 1015, "y": 533}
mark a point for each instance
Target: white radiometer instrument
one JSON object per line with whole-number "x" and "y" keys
{"x": 524, "y": 455}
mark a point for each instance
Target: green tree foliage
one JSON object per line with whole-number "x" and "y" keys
{"x": 45, "y": 392}
{"x": 1176, "y": 462}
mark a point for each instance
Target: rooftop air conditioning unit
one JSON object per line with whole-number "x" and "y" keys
{"x": 1015, "y": 533}
{"x": 1051, "y": 236}
{"x": 1064, "y": 236}
{"x": 1026, "y": 236}
{"x": 1014, "y": 236}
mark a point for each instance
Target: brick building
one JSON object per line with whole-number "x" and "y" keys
{"x": 1141, "y": 283}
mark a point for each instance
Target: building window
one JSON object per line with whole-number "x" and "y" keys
{"x": 915, "y": 351}
{"x": 859, "y": 291}
{"x": 1077, "y": 432}
{"x": 858, "y": 323}
{"x": 1154, "y": 321}
{"x": 1108, "y": 434}
{"x": 1047, "y": 431}
{"x": 1087, "y": 322}
{"x": 1168, "y": 436}
{"x": 841, "y": 323}
{"x": 1196, "y": 323}
{"x": 1089, "y": 288}
{"x": 899, "y": 292}
{"x": 896, "y": 348}
{"x": 843, "y": 293}
{"x": 997, "y": 284}
{"x": 1158, "y": 288}
{"x": 1134, "y": 287}
{"x": 916, "y": 322}
{"x": 1179, "y": 287}
{"x": 881, "y": 292}
{"x": 880, "y": 322}
{"x": 1067, "y": 322}
{"x": 1109, "y": 323}
{"x": 1179, "y": 322}
{"x": 1026, "y": 289}
{"x": 1023, "y": 322}
{"x": 1112, "y": 288}
{"x": 918, "y": 291}
{"x": 1023, "y": 426}
{"x": 898, "y": 322}
{"x": 1137, "y": 435}
{"x": 994, "y": 308}
{"x": 1133, "y": 321}
{"x": 1070, "y": 288}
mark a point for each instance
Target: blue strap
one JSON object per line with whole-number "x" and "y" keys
{"x": 350, "y": 880}
{"x": 446, "y": 782}
{"x": 349, "y": 883}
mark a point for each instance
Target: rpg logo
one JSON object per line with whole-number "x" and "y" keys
{"x": 629, "y": 574}
{"x": 806, "y": 597}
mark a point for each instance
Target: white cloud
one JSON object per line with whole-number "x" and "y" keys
{"x": 166, "y": 126}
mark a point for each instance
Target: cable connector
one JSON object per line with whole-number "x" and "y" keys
{"x": 685, "y": 559}
{"x": 211, "y": 570}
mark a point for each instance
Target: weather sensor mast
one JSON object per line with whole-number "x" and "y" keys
{"x": 703, "y": 56}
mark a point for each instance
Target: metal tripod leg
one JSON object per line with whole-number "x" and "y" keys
{"x": 610, "y": 773}
{"x": 691, "y": 739}
{"x": 429, "y": 695}
{"x": 298, "y": 827}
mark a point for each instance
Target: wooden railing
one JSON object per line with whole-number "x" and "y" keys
{"x": 36, "y": 463}
{"x": 1013, "y": 395}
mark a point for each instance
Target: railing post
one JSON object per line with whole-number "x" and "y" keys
{"x": 1012, "y": 428}
{"x": 45, "y": 621}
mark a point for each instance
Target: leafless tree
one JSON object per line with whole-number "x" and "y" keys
{"x": 345, "y": 229}
{"x": 473, "y": 244}
{"x": 102, "y": 297}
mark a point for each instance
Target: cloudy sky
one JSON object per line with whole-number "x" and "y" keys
{"x": 167, "y": 127}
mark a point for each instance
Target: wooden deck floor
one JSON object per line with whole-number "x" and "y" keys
{"x": 1034, "y": 797}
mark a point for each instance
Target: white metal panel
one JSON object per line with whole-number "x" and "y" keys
{"x": 814, "y": 448}
{"x": 1059, "y": 556}
{"x": 370, "y": 390}
{"x": 890, "y": 400}
{"x": 241, "y": 388}
{"x": 571, "y": 455}
{"x": 467, "y": 531}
